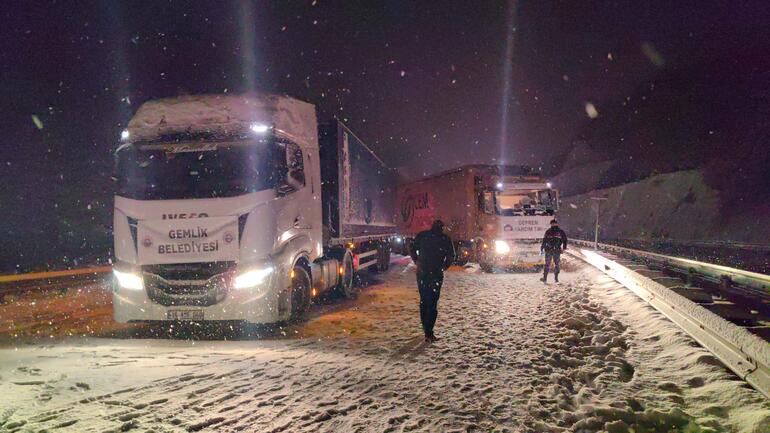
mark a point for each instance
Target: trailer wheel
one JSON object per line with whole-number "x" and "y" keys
{"x": 300, "y": 291}
{"x": 486, "y": 267}
{"x": 384, "y": 263}
{"x": 383, "y": 259}
{"x": 345, "y": 287}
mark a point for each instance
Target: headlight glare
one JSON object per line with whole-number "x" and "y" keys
{"x": 501, "y": 247}
{"x": 128, "y": 280}
{"x": 252, "y": 278}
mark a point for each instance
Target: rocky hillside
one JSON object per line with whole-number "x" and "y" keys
{"x": 709, "y": 115}
{"x": 677, "y": 206}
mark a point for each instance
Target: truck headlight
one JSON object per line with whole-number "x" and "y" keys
{"x": 252, "y": 278}
{"x": 501, "y": 247}
{"x": 128, "y": 280}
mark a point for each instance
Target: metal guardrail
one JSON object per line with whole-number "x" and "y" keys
{"x": 12, "y": 278}
{"x": 684, "y": 243}
{"x": 21, "y": 283}
{"x": 742, "y": 352}
{"x": 754, "y": 284}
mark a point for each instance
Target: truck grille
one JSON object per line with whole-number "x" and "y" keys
{"x": 189, "y": 271}
{"x": 199, "y": 284}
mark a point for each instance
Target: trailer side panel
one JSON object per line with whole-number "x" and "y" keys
{"x": 358, "y": 188}
{"x": 449, "y": 197}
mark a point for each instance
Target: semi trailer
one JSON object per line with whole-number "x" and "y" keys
{"x": 243, "y": 208}
{"x": 495, "y": 215}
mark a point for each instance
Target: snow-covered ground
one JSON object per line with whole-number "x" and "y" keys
{"x": 513, "y": 355}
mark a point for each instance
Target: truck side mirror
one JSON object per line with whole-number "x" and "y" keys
{"x": 486, "y": 202}
{"x": 292, "y": 177}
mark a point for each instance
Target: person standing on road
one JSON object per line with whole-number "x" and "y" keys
{"x": 432, "y": 251}
{"x": 554, "y": 242}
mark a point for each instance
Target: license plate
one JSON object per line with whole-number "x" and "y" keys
{"x": 194, "y": 315}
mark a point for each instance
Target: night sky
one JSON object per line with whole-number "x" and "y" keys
{"x": 424, "y": 83}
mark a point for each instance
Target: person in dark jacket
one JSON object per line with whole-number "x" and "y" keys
{"x": 432, "y": 251}
{"x": 554, "y": 242}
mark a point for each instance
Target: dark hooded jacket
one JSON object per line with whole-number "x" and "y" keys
{"x": 432, "y": 250}
{"x": 554, "y": 241}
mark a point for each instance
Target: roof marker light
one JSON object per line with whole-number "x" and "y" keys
{"x": 259, "y": 128}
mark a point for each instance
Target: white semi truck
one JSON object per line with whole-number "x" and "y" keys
{"x": 242, "y": 208}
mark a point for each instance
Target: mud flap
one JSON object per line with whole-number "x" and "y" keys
{"x": 284, "y": 303}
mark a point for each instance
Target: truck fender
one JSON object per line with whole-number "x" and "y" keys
{"x": 291, "y": 251}
{"x": 284, "y": 260}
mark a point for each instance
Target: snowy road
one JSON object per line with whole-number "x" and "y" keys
{"x": 513, "y": 355}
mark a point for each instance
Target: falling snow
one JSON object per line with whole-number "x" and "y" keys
{"x": 489, "y": 83}
{"x": 591, "y": 110}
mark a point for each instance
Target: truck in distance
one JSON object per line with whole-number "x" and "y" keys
{"x": 495, "y": 215}
{"x": 240, "y": 208}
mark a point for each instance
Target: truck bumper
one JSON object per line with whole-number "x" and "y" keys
{"x": 514, "y": 261}
{"x": 258, "y": 305}
{"x": 523, "y": 255}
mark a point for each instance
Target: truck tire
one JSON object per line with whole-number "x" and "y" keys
{"x": 345, "y": 287}
{"x": 384, "y": 263}
{"x": 383, "y": 259}
{"x": 376, "y": 268}
{"x": 486, "y": 267}
{"x": 461, "y": 260}
{"x": 300, "y": 292}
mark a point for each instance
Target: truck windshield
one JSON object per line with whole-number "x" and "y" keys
{"x": 198, "y": 170}
{"x": 520, "y": 202}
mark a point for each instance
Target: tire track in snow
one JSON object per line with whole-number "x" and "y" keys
{"x": 513, "y": 355}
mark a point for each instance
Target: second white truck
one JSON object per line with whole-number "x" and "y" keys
{"x": 242, "y": 208}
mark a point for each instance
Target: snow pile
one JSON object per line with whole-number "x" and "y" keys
{"x": 472, "y": 268}
{"x": 513, "y": 356}
{"x": 753, "y": 346}
{"x": 229, "y": 113}
{"x": 83, "y": 310}
{"x": 684, "y": 372}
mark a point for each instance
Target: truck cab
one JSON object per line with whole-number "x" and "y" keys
{"x": 218, "y": 210}
{"x": 217, "y": 204}
{"x": 515, "y": 212}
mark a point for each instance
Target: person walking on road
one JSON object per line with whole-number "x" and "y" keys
{"x": 554, "y": 242}
{"x": 432, "y": 251}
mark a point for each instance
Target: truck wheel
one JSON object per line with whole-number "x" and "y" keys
{"x": 385, "y": 258}
{"x": 486, "y": 267}
{"x": 345, "y": 287}
{"x": 300, "y": 292}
